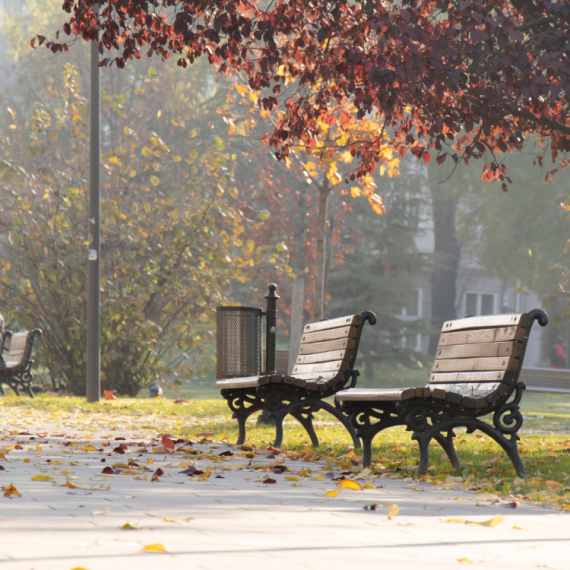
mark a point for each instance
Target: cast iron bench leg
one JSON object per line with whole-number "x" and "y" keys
{"x": 305, "y": 418}
{"x": 446, "y": 442}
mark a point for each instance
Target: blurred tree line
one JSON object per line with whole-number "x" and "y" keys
{"x": 196, "y": 213}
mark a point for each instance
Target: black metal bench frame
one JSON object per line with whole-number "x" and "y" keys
{"x": 19, "y": 375}
{"x": 430, "y": 418}
{"x": 282, "y": 399}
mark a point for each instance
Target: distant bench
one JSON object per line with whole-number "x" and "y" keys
{"x": 475, "y": 374}
{"x": 325, "y": 365}
{"x": 18, "y": 370}
{"x": 555, "y": 380}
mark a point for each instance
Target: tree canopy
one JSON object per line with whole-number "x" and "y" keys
{"x": 463, "y": 78}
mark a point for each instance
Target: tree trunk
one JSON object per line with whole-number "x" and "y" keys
{"x": 298, "y": 296}
{"x": 446, "y": 259}
{"x": 324, "y": 191}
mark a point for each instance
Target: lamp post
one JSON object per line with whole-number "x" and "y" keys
{"x": 94, "y": 232}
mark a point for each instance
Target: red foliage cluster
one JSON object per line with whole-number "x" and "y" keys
{"x": 457, "y": 77}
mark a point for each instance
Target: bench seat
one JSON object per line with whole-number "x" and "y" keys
{"x": 475, "y": 372}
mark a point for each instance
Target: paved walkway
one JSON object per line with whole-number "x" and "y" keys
{"x": 73, "y": 515}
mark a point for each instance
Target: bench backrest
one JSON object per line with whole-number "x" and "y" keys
{"x": 328, "y": 348}
{"x": 20, "y": 351}
{"x": 480, "y": 358}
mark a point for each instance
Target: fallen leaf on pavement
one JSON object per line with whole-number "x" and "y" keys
{"x": 497, "y": 519}
{"x": 332, "y": 493}
{"x": 393, "y": 511}
{"x": 349, "y": 484}
{"x": 10, "y": 491}
{"x": 128, "y": 526}
{"x": 167, "y": 442}
{"x": 156, "y": 547}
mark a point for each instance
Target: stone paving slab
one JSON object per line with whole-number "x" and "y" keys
{"x": 233, "y": 519}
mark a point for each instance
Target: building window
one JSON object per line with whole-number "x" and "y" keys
{"x": 479, "y": 304}
{"x": 413, "y": 310}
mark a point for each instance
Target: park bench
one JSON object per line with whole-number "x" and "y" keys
{"x": 324, "y": 366}
{"x": 475, "y": 374}
{"x": 18, "y": 370}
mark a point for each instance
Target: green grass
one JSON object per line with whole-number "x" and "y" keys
{"x": 544, "y": 445}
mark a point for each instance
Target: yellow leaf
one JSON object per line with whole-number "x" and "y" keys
{"x": 466, "y": 560}
{"x": 318, "y": 478}
{"x": 155, "y": 180}
{"x": 89, "y": 448}
{"x": 27, "y": 460}
{"x": 70, "y": 485}
{"x": 113, "y": 160}
{"x": 156, "y": 547}
{"x": 193, "y": 133}
{"x": 377, "y": 204}
{"x": 349, "y": 484}
{"x": 11, "y": 490}
{"x": 517, "y": 527}
{"x": 291, "y": 478}
{"x": 355, "y": 191}
{"x": 128, "y": 526}
{"x": 368, "y": 486}
{"x": 332, "y": 493}
{"x": 497, "y": 519}
{"x": 393, "y": 511}
{"x": 41, "y": 478}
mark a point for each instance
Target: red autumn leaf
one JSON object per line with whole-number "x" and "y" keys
{"x": 108, "y": 470}
{"x": 167, "y": 442}
{"x": 269, "y": 481}
{"x": 109, "y": 395}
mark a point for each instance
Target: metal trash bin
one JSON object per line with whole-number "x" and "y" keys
{"x": 238, "y": 342}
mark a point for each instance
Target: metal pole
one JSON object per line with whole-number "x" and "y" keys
{"x": 265, "y": 418}
{"x": 94, "y": 230}
{"x": 271, "y": 329}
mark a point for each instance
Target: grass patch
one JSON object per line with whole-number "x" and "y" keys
{"x": 544, "y": 445}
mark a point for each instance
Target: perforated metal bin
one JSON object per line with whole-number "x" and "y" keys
{"x": 238, "y": 342}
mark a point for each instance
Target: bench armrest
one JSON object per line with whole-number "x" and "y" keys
{"x": 354, "y": 374}
{"x": 5, "y": 334}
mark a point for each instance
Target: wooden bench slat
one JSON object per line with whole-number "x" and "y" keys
{"x": 339, "y": 344}
{"x": 332, "y": 334}
{"x": 324, "y": 356}
{"x": 480, "y": 349}
{"x": 451, "y": 377}
{"x": 245, "y": 382}
{"x": 475, "y": 364}
{"x": 373, "y": 395}
{"x": 487, "y": 322}
{"x": 499, "y": 334}
{"x": 336, "y": 365}
{"x": 333, "y": 323}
